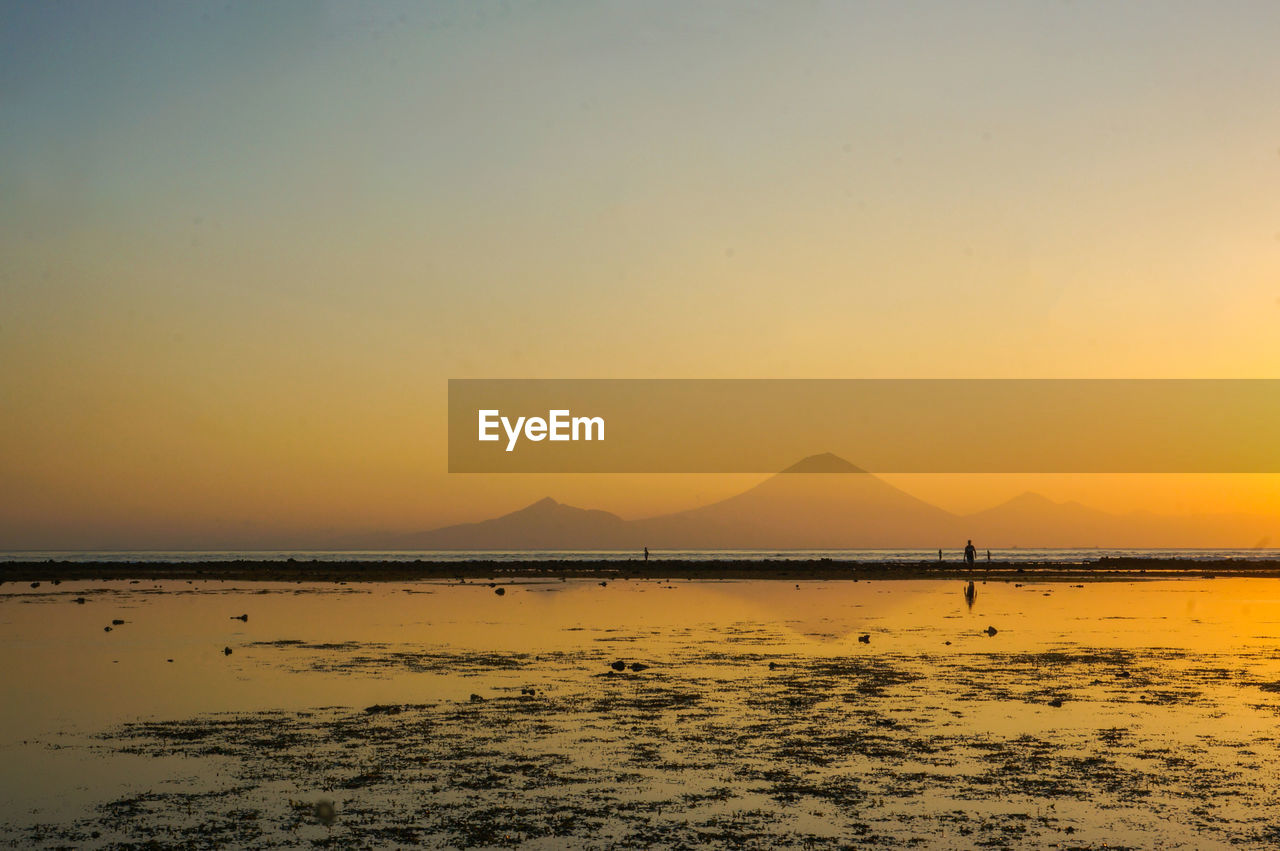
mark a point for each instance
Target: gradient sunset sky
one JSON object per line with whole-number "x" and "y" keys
{"x": 244, "y": 245}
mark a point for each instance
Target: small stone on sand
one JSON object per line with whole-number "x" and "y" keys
{"x": 325, "y": 812}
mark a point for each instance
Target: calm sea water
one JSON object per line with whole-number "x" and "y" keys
{"x": 780, "y": 715}
{"x": 904, "y": 556}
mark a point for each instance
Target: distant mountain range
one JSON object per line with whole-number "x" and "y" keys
{"x": 824, "y": 502}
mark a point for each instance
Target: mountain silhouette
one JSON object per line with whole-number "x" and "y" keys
{"x": 1032, "y": 517}
{"x": 824, "y": 463}
{"x": 544, "y": 525}
{"x": 1032, "y": 520}
{"x": 806, "y": 507}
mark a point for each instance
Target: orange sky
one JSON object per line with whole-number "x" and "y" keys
{"x": 241, "y": 254}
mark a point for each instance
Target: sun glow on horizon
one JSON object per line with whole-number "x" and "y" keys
{"x": 242, "y": 248}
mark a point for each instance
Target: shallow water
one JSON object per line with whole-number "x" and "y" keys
{"x": 761, "y": 719}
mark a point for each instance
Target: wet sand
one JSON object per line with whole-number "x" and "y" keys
{"x": 745, "y": 714}
{"x": 1102, "y": 569}
{"x": 769, "y": 751}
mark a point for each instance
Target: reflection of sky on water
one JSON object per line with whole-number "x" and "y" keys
{"x": 1179, "y": 662}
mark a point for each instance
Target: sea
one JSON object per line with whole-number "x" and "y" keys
{"x": 575, "y": 714}
{"x": 905, "y": 556}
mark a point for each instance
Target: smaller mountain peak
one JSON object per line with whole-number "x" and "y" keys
{"x": 1031, "y": 498}
{"x": 823, "y": 463}
{"x": 545, "y": 503}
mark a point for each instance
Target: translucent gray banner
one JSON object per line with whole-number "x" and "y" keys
{"x": 880, "y": 425}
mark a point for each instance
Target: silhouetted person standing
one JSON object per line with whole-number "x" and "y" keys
{"x": 646, "y": 553}
{"x": 970, "y": 554}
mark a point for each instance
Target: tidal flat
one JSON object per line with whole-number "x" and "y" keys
{"x": 643, "y": 713}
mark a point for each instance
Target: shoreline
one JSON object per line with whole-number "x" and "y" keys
{"x": 1102, "y": 569}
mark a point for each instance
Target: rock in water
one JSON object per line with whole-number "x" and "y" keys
{"x": 500, "y": 591}
{"x": 325, "y": 812}
{"x": 226, "y": 651}
{"x": 638, "y": 667}
{"x": 865, "y": 639}
{"x": 244, "y": 618}
{"x": 619, "y": 665}
{"x": 991, "y": 630}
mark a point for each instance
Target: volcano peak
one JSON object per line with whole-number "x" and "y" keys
{"x": 823, "y": 463}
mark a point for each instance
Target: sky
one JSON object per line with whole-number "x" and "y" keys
{"x": 243, "y": 246}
